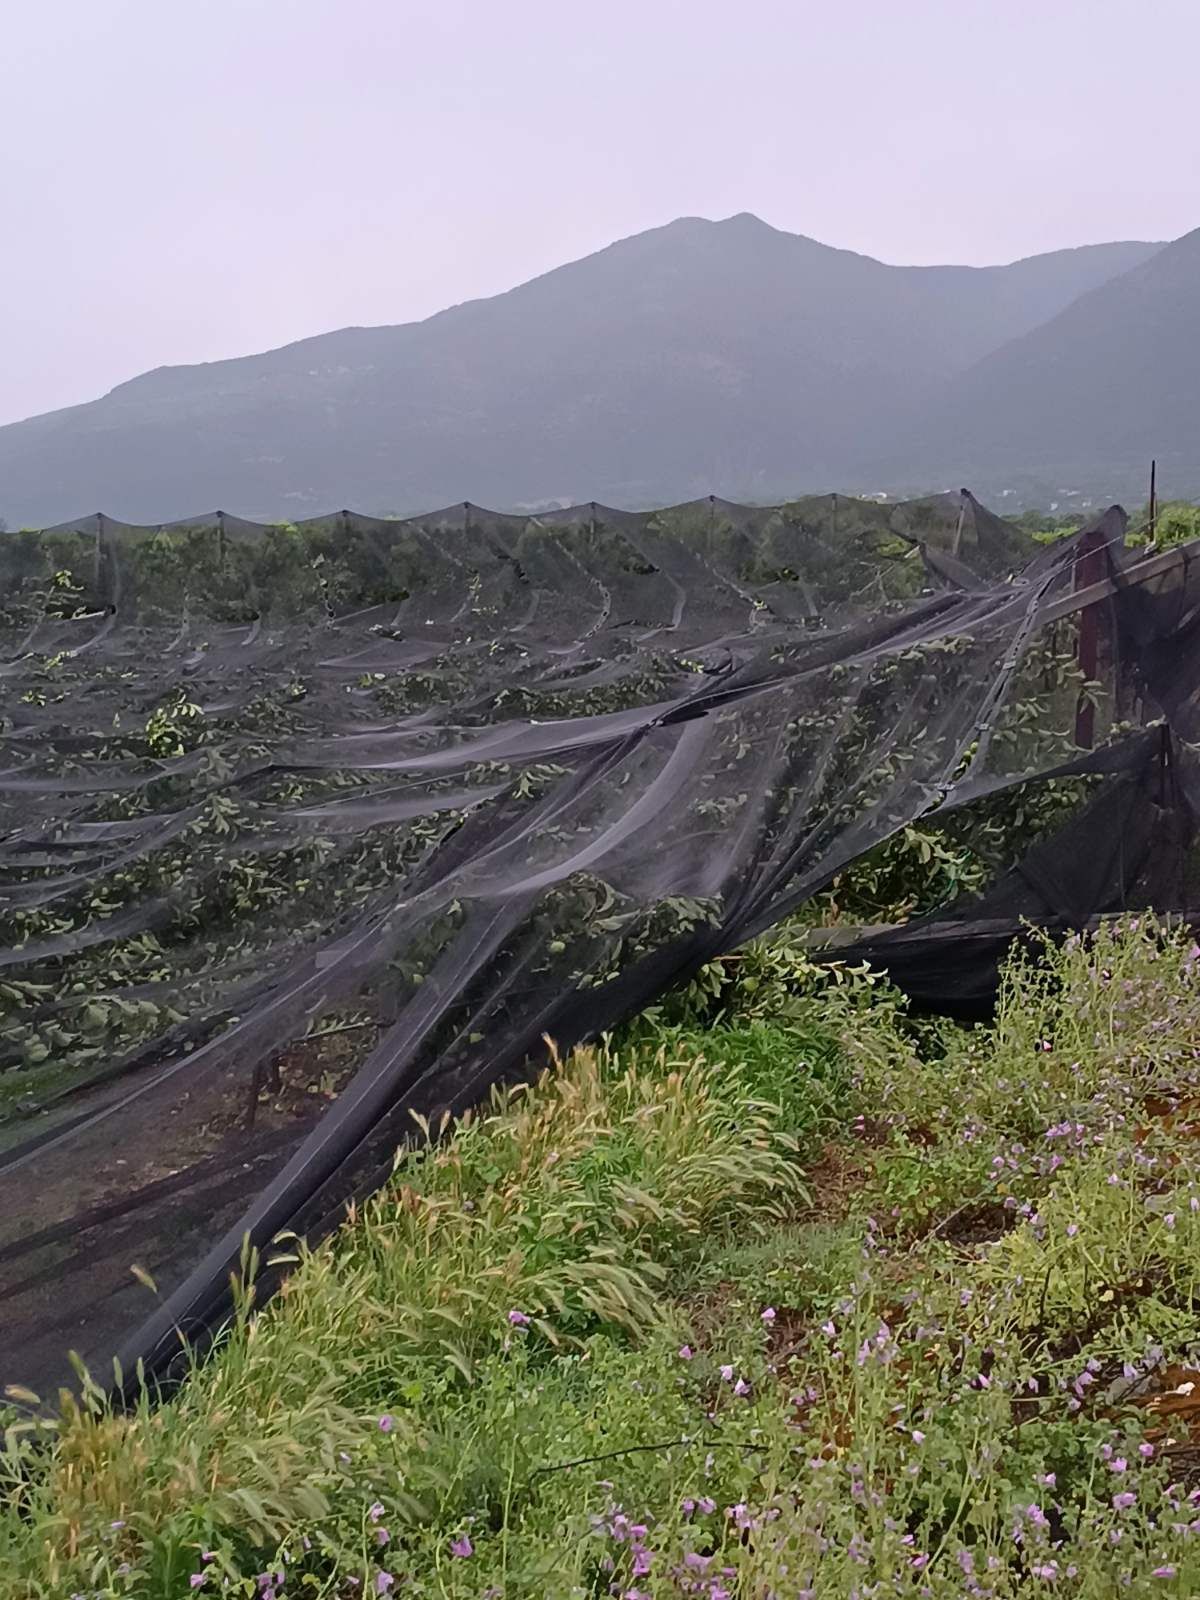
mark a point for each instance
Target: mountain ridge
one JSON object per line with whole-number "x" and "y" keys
{"x": 1114, "y": 371}
{"x": 728, "y": 357}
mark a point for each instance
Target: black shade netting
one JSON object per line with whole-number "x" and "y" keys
{"x": 305, "y": 829}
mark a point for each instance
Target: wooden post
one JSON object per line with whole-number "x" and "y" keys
{"x": 1153, "y": 498}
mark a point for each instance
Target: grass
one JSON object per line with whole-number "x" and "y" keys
{"x": 793, "y": 1299}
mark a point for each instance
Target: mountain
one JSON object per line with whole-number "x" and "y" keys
{"x": 701, "y": 356}
{"x": 1092, "y": 395}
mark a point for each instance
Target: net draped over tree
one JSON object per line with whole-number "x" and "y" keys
{"x": 308, "y": 829}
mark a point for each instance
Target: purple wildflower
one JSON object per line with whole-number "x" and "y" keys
{"x": 727, "y": 1372}
{"x": 769, "y": 1314}
{"x": 383, "y": 1582}
{"x": 1123, "y": 1501}
{"x": 386, "y": 1424}
{"x": 462, "y": 1547}
{"x": 518, "y": 1319}
{"x": 685, "y": 1352}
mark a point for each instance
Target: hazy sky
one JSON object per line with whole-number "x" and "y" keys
{"x": 180, "y": 182}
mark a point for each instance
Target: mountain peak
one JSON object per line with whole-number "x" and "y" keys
{"x": 747, "y": 219}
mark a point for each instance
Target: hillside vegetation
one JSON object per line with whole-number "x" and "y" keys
{"x": 783, "y": 1292}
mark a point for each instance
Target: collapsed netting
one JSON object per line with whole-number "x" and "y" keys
{"x": 306, "y": 829}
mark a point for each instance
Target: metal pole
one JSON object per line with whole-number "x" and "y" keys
{"x": 98, "y": 559}
{"x": 958, "y": 530}
{"x": 1090, "y": 565}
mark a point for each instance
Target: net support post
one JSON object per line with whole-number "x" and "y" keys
{"x": 1091, "y": 567}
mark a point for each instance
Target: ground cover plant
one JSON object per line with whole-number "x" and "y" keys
{"x": 780, "y": 1292}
